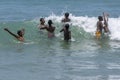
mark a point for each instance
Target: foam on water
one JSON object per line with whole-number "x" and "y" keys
{"x": 81, "y": 27}
{"x": 89, "y": 24}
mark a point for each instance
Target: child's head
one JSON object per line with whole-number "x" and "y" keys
{"x": 20, "y": 33}
{"x": 42, "y": 20}
{"x": 50, "y": 22}
{"x": 67, "y": 26}
{"x": 67, "y": 14}
{"x": 100, "y": 18}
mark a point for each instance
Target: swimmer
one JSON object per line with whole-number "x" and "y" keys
{"x": 19, "y": 36}
{"x": 67, "y": 33}
{"x": 50, "y": 29}
{"x": 66, "y": 18}
{"x": 42, "y": 23}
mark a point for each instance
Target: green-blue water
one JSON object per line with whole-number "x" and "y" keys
{"x": 41, "y": 58}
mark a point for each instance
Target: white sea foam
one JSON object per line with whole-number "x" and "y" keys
{"x": 89, "y": 24}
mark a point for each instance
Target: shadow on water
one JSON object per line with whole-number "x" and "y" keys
{"x": 65, "y": 45}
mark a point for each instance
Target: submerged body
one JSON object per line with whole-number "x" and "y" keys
{"x": 105, "y": 18}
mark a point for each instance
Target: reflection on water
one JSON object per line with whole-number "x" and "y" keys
{"x": 65, "y": 45}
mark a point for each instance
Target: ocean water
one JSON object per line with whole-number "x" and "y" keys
{"x": 41, "y": 58}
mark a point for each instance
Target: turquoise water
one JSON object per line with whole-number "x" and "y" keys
{"x": 41, "y": 58}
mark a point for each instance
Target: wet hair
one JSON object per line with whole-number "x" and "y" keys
{"x": 66, "y": 14}
{"x": 19, "y": 32}
{"x": 100, "y": 18}
{"x": 50, "y": 22}
{"x": 41, "y": 19}
{"x": 67, "y": 26}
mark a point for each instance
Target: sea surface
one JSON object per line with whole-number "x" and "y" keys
{"x": 42, "y": 58}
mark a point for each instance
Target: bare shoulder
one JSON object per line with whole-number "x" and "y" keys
{"x": 63, "y": 20}
{"x": 99, "y": 22}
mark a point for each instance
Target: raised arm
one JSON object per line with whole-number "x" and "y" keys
{"x": 11, "y": 33}
{"x": 61, "y": 30}
{"x": 105, "y": 18}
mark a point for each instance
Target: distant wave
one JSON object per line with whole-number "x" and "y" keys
{"x": 81, "y": 27}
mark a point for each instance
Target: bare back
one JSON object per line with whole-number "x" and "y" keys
{"x": 99, "y": 26}
{"x": 50, "y": 30}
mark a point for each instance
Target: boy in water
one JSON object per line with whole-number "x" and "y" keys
{"x": 67, "y": 33}
{"x": 19, "y": 36}
{"x": 42, "y": 23}
{"x": 50, "y": 29}
{"x": 102, "y": 25}
{"x": 99, "y": 27}
{"x": 66, "y": 19}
